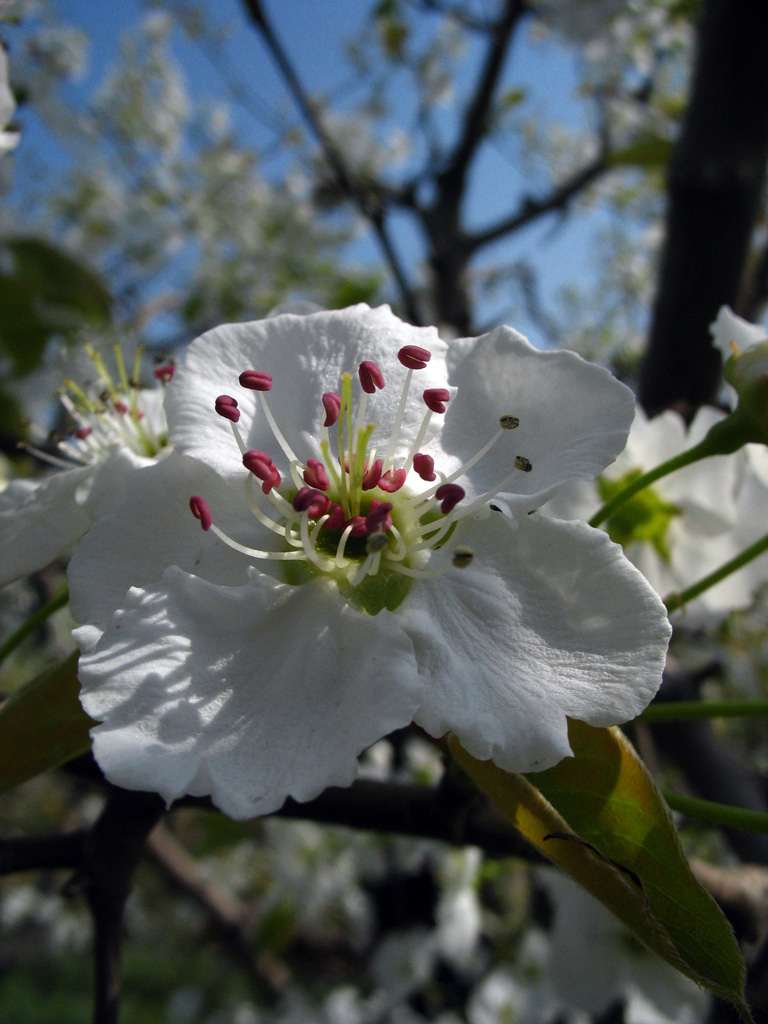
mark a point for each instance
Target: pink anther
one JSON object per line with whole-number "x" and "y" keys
{"x": 82, "y": 432}
{"x": 335, "y": 520}
{"x": 414, "y": 357}
{"x": 226, "y": 406}
{"x": 332, "y": 406}
{"x": 121, "y": 407}
{"x": 371, "y": 376}
{"x": 424, "y": 466}
{"x": 200, "y": 510}
{"x": 262, "y": 467}
{"x": 372, "y": 476}
{"x": 435, "y": 398}
{"x": 392, "y": 480}
{"x": 311, "y": 501}
{"x": 379, "y": 517}
{"x": 359, "y": 529}
{"x": 165, "y": 372}
{"x": 254, "y": 380}
{"x": 449, "y": 495}
{"x": 315, "y": 475}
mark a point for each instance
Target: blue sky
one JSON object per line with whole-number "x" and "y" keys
{"x": 314, "y": 34}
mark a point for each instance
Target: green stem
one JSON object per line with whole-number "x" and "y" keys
{"x": 687, "y": 710}
{"x": 718, "y": 814}
{"x": 34, "y": 622}
{"x": 675, "y": 601}
{"x": 699, "y": 451}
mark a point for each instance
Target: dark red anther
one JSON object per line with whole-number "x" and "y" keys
{"x": 424, "y": 466}
{"x": 357, "y": 523}
{"x": 414, "y": 357}
{"x": 379, "y": 517}
{"x": 165, "y": 372}
{"x": 121, "y": 407}
{"x": 315, "y": 475}
{"x": 371, "y": 376}
{"x": 262, "y": 467}
{"x": 311, "y": 501}
{"x": 254, "y": 380}
{"x": 82, "y": 432}
{"x": 435, "y": 398}
{"x": 372, "y": 476}
{"x": 200, "y": 510}
{"x": 449, "y": 495}
{"x": 392, "y": 480}
{"x": 226, "y": 406}
{"x": 335, "y": 520}
{"x": 332, "y": 406}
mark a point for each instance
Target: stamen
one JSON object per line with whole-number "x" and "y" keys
{"x": 414, "y": 357}
{"x": 226, "y": 406}
{"x": 378, "y": 518}
{"x": 332, "y": 406}
{"x": 274, "y": 427}
{"x": 376, "y": 543}
{"x": 82, "y": 432}
{"x": 522, "y": 463}
{"x": 200, "y": 510}
{"x": 165, "y": 373}
{"x": 277, "y": 556}
{"x": 424, "y": 466}
{"x": 393, "y": 480}
{"x": 254, "y": 380}
{"x": 315, "y": 475}
{"x": 336, "y": 518}
{"x": 311, "y": 501}
{"x": 371, "y": 376}
{"x": 449, "y": 495}
{"x": 339, "y": 560}
{"x": 462, "y": 557}
{"x": 421, "y": 499}
{"x": 436, "y": 398}
{"x": 509, "y": 422}
{"x": 260, "y": 464}
{"x": 372, "y": 476}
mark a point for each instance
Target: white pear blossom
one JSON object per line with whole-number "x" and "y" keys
{"x": 593, "y": 960}
{"x": 687, "y": 524}
{"x": 359, "y": 567}
{"x": 119, "y": 428}
{"x": 8, "y": 139}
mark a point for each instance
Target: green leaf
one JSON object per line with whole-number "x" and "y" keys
{"x": 48, "y": 292}
{"x": 599, "y": 817}
{"x": 60, "y": 279}
{"x": 649, "y": 153}
{"x": 42, "y": 725}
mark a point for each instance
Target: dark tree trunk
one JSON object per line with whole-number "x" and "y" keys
{"x": 716, "y": 183}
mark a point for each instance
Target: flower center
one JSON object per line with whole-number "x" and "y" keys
{"x": 364, "y": 515}
{"x": 114, "y": 413}
{"x": 646, "y": 518}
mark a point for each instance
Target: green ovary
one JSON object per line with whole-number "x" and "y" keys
{"x": 645, "y": 518}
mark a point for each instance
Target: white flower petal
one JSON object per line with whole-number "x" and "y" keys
{"x": 550, "y": 620}
{"x": 132, "y": 546}
{"x": 574, "y": 416}
{"x": 41, "y": 520}
{"x": 730, "y": 329}
{"x": 306, "y": 356}
{"x": 251, "y": 693}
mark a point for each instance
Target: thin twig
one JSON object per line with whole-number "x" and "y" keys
{"x": 112, "y": 849}
{"x": 368, "y": 201}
